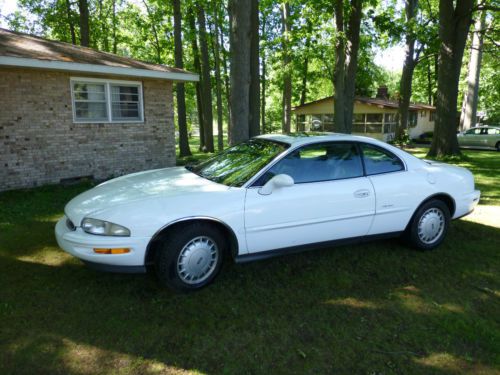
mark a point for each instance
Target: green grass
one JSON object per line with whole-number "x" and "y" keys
{"x": 376, "y": 308}
{"x": 197, "y": 155}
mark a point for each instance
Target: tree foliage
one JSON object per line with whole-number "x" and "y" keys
{"x": 296, "y": 62}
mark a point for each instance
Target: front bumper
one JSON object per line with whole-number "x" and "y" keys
{"x": 81, "y": 245}
{"x": 466, "y": 204}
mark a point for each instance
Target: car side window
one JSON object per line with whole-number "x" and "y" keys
{"x": 318, "y": 162}
{"x": 473, "y": 131}
{"x": 380, "y": 161}
{"x": 493, "y": 131}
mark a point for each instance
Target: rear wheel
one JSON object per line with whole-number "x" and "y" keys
{"x": 497, "y": 146}
{"x": 191, "y": 258}
{"x": 429, "y": 225}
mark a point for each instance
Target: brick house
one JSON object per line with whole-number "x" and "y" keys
{"x": 67, "y": 111}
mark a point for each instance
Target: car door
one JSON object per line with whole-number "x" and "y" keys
{"x": 330, "y": 199}
{"x": 395, "y": 192}
{"x": 493, "y": 137}
{"x": 471, "y": 138}
{"x": 482, "y": 138}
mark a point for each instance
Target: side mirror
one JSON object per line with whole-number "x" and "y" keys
{"x": 278, "y": 181}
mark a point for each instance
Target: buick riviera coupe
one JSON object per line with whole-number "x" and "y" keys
{"x": 273, "y": 194}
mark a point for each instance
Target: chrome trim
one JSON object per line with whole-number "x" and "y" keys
{"x": 317, "y": 182}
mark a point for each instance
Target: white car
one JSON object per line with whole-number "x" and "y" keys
{"x": 272, "y": 195}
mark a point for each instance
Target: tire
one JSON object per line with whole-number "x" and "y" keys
{"x": 497, "y": 146}
{"x": 429, "y": 225}
{"x": 191, "y": 258}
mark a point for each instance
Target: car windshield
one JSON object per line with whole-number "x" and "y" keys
{"x": 236, "y": 165}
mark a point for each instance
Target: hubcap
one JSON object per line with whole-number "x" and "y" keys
{"x": 431, "y": 226}
{"x": 197, "y": 260}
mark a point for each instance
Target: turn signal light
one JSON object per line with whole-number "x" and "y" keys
{"x": 111, "y": 251}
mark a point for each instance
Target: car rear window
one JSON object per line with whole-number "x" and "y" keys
{"x": 379, "y": 161}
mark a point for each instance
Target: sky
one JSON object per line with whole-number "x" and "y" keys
{"x": 390, "y": 58}
{"x": 6, "y": 7}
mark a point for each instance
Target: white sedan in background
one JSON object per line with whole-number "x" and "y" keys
{"x": 272, "y": 195}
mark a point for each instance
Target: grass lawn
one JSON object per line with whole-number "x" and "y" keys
{"x": 375, "y": 308}
{"x": 197, "y": 155}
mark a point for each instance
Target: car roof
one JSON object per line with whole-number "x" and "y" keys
{"x": 295, "y": 139}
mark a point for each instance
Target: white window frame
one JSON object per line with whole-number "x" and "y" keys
{"x": 107, "y": 92}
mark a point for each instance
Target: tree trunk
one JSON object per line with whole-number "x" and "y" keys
{"x": 226, "y": 75}
{"x": 405, "y": 89}
{"x": 405, "y": 83}
{"x": 303, "y": 91}
{"x": 241, "y": 44}
{"x": 287, "y": 76}
{"x": 305, "y": 65}
{"x": 346, "y": 63}
{"x": 218, "y": 83}
{"x": 429, "y": 83}
{"x": 436, "y": 76}
{"x": 206, "y": 83}
{"x": 70, "y": 22}
{"x": 454, "y": 23}
{"x": 115, "y": 41}
{"x": 254, "y": 114}
{"x": 339, "y": 73}
{"x": 352, "y": 49}
{"x": 181, "y": 96}
{"x": 263, "y": 79}
{"x": 83, "y": 6}
{"x": 469, "y": 108}
{"x": 197, "y": 69}
{"x": 104, "y": 27}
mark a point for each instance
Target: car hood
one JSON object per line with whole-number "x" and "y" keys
{"x": 154, "y": 184}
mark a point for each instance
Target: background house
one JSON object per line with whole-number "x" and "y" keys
{"x": 373, "y": 117}
{"x": 69, "y": 111}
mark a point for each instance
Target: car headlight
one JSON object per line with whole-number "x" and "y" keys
{"x": 104, "y": 228}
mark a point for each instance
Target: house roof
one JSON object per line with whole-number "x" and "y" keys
{"x": 382, "y": 103}
{"x": 23, "y": 50}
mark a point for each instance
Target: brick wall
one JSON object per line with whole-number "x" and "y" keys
{"x": 40, "y": 144}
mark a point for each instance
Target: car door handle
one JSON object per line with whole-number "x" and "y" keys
{"x": 363, "y": 193}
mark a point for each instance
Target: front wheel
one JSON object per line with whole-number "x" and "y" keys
{"x": 429, "y": 225}
{"x": 191, "y": 258}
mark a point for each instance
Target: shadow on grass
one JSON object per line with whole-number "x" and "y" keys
{"x": 27, "y": 239}
{"x": 372, "y": 308}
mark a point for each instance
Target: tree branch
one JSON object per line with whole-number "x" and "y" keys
{"x": 485, "y": 6}
{"x": 426, "y": 57}
{"x": 495, "y": 43}
{"x": 489, "y": 7}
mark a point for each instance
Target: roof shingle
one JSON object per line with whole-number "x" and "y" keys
{"x": 24, "y": 46}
